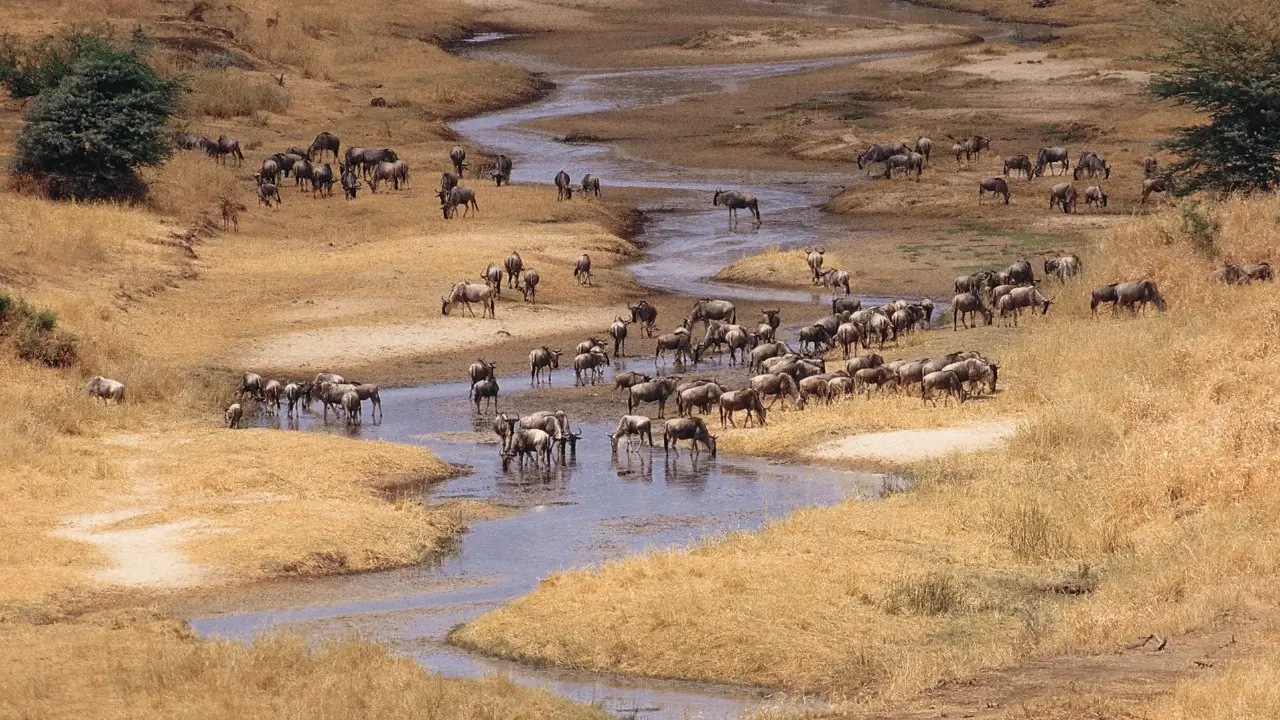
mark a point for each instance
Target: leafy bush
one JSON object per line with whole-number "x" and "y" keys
{"x": 86, "y": 136}
{"x": 34, "y": 336}
{"x": 27, "y": 72}
{"x": 1225, "y": 59}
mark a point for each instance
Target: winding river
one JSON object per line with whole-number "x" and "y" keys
{"x": 600, "y": 505}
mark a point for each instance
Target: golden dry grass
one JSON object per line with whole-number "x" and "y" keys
{"x": 1145, "y": 458}
{"x": 133, "y": 664}
{"x": 774, "y": 266}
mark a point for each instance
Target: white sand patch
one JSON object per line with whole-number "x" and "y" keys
{"x": 907, "y": 446}
{"x": 147, "y": 557}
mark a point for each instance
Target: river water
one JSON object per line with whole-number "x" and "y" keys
{"x": 599, "y": 505}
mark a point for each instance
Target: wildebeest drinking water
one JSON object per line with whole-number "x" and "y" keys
{"x": 736, "y": 201}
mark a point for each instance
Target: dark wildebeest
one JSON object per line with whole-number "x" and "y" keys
{"x": 269, "y": 171}
{"x": 458, "y": 157}
{"x": 501, "y": 172}
{"x": 582, "y": 269}
{"x": 513, "y": 265}
{"x": 302, "y": 174}
{"x": 924, "y": 146}
{"x": 350, "y": 182}
{"x": 1135, "y": 295}
{"x": 618, "y": 331}
{"x": 530, "y": 289}
{"x": 564, "y": 186}
{"x": 1102, "y": 294}
{"x": 971, "y": 148}
{"x": 1019, "y": 163}
{"x": 268, "y": 191}
{"x": 322, "y": 180}
{"x": 879, "y": 152}
{"x": 644, "y": 314}
{"x": 994, "y": 185}
{"x": 1050, "y": 156}
{"x": 448, "y": 181}
{"x": 736, "y": 201}
{"x": 384, "y": 172}
{"x": 1064, "y": 195}
{"x": 1261, "y": 272}
{"x": 225, "y": 146}
{"x": 591, "y": 185}
{"x": 480, "y": 370}
{"x": 692, "y": 429}
{"x": 1091, "y": 163}
{"x": 187, "y": 141}
{"x": 371, "y": 159}
{"x": 324, "y": 142}
{"x": 459, "y": 196}
{"x": 968, "y": 305}
{"x": 813, "y": 256}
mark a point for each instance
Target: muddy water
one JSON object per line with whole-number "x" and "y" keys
{"x": 596, "y": 507}
{"x": 599, "y": 505}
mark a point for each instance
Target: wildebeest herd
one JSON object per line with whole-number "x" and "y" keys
{"x": 898, "y": 156}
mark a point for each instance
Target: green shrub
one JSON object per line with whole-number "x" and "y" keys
{"x": 53, "y": 349}
{"x": 86, "y": 136}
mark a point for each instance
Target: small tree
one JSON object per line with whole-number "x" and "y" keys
{"x": 86, "y": 136}
{"x": 1225, "y": 62}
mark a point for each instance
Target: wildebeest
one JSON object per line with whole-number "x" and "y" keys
{"x": 322, "y": 180}
{"x": 513, "y": 265}
{"x": 1063, "y": 195}
{"x": 401, "y": 170}
{"x": 463, "y": 197}
{"x": 591, "y": 185}
{"x": 501, "y": 171}
{"x": 480, "y": 370}
{"x": 1091, "y": 163}
{"x": 271, "y": 396}
{"x": 1102, "y": 294}
{"x": 225, "y": 146}
{"x": 880, "y": 376}
{"x": 645, "y": 314}
{"x": 692, "y": 429}
{"x": 384, "y": 172}
{"x": 813, "y": 256}
{"x": 589, "y": 363}
{"x": 1229, "y": 274}
{"x": 816, "y": 337}
{"x": 618, "y": 331}
{"x": 486, "y": 389}
{"x": 467, "y": 293}
{"x": 1136, "y": 294}
{"x": 944, "y": 380}
{"x": 1047, "y": 157}
{"x": 848, "y": 335}
{"x": 351, "y": 406}
{"x": 909, "y": 162}
{"x": 736, "y": 201}
{"x": 1020, "y": 272}
{"x": 735, "y": 400}
{"x": 627, "y": 379}
{"x": 532, "y": 443}
{"x": 458, "y": 157}
{"x": 701, "y": 397}
{"x": 835, "y": 279}
{"x": 968, "y": 305}
{"x": 268, "y": 172}
{"x": 530, "y": 287}
{"x": 1093, "y": 195}
{"x": 105, "y": 388}
{"x": 1261, "y": 272}
{"x": 448, "y": 181}
{"x": 777, "y": 386}
{"x": 582, "y": 269}
{"x": 350, "y": 182}
{"x": 879, "y": 152}
{"x": 1063, "y": 267}
{"x": 994, "y": 185}
{"x": 369, "y": 158}
{"x": 657, "y": 390}
{"x": 707, "y": 310}
{"x": 324, "y": 142}
{"x": 680, "y": 342}
{"x": 1161, "y": 184}
{"x": 564, "y": 186}
{"x": 924, "y": 146}
{"x": 492, "y": 277}
{"x": 187, "y": 141}
{"x": 233, "y": 415}
{"x": 303, "y": 171}
{"x": 971, "y": 148}
{"x": 268, "y": 191}
{"x": 1019, "y": 163}
{"x": 630, "y": 426}
{"x": 1149, "y": 166}
{"x": 1030, "y": 297}
{"x": 542, "y": 358}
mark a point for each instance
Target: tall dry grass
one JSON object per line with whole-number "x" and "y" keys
{"x": 1141, "y": 478}
{"x": 225, "y": 94}
{"x": 134, "y": 664}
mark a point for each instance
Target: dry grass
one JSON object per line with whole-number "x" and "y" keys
{"x": 775, "y": 267}
{"x": 135, "y": 665}
{"x": 226, "y": 94}
{"x": 1152, "y": 467}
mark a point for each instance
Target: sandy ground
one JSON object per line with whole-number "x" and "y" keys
{"x": 143, "y": 558}
{"x": 908, "y": 446}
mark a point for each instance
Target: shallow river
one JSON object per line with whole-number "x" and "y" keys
{"x": 600, "y": 505}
